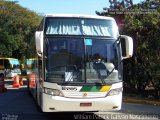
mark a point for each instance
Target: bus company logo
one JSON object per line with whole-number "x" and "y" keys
{"x": 70, "y": 88}
{"x": 85, "y": 94}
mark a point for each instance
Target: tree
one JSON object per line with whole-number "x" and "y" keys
{"x": 17, "y": 26}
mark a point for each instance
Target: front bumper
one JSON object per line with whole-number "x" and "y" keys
{"x": 62, "y": 104}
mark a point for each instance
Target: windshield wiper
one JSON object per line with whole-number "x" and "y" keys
{"x": 104, "y": 72}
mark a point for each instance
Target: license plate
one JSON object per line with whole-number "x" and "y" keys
{"x": 85, "y": 104}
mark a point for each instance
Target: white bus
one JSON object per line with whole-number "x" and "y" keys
{"x": 10, "y": 67}
{"x": 79, "y": 63}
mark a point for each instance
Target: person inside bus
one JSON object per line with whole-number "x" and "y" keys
{"x": 99, "y": 66}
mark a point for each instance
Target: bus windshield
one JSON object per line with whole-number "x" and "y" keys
{"x": 81, "y": 26}
{"x": 30, "y": 65}
{"x": 81, "y": 60}
{"x": 15, "y": 63}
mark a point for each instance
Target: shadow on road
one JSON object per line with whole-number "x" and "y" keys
{"x": 17, "y": 104}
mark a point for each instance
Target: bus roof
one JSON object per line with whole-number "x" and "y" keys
{"x": 79, "y": 16}
{"x": 32, "y": 59}
{"x": 9, "y": 58}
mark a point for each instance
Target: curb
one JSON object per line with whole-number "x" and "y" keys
{"x": 139, "y": 101}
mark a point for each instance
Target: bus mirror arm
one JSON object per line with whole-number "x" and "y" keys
{"x": 39, "y": 54}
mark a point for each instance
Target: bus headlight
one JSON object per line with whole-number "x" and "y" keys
{"x": 115, "y": 91}
{"x": 53, "y": 92}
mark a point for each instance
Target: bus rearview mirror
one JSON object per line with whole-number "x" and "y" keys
{"x": 39, "y": 42}
{"x": 127, "y": 46}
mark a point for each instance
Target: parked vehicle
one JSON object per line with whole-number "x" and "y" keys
{"x": 10, "y": 67}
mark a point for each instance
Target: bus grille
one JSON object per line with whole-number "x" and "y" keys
{"x": 85, "y": 94}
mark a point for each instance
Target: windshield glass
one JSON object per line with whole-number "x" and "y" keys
{"x": 15, "y": 63}
{"x": 30, "y": 64}
{"x": 15, "y": 66}
{"x": 79, "y": 60}
{"x": 81, "y": 26}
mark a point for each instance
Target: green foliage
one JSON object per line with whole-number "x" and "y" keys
{"x": 17, "y": 26}
{"x": 145, "y": 28}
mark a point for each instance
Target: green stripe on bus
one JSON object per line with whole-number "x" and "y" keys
{"x": 90, "y": 89}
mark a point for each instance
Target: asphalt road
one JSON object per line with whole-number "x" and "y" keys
{"x": 16, "y": 104}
